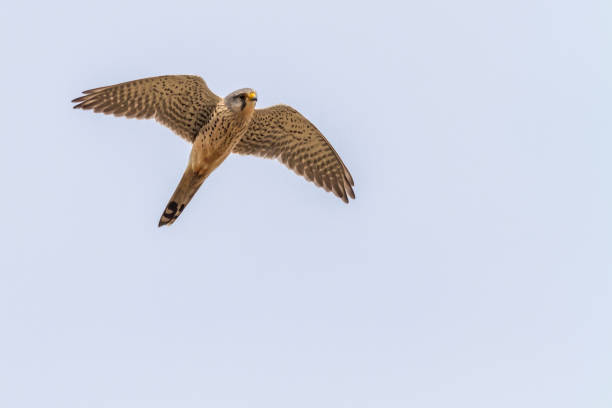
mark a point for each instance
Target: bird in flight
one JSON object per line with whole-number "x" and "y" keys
{"x": 219, "y": 126}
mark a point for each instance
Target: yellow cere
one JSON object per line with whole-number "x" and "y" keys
{"x": 252, "y": 95}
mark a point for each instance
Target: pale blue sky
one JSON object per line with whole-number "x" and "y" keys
{"x": 473, "y": 270}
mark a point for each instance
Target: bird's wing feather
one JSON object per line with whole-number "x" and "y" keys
{"x": 281, "y": 132}
{"x": 183, "y": 103}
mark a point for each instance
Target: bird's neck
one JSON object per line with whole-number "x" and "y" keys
{"x": 243, "y": 117}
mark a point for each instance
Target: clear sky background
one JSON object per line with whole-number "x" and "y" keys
{"x": 473, "y": 270}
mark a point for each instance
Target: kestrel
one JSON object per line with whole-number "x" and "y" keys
{"x": 219, "y": 126}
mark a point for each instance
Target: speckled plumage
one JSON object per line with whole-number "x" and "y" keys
{"x": 281, "y": 132}
{"x": 219, "y": 126}
{"x": 181, "y": 102}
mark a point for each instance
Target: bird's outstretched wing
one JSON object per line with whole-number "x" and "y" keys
{"x": 181, "y": 102}
{"x": 281, "y": 132}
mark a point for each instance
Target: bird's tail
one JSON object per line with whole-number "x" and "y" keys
{"x": 187, "y": 187}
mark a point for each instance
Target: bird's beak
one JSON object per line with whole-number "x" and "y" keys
{"x": 252, "y": 96}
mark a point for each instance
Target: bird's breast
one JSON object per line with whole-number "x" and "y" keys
{"x": 218, "y": 138}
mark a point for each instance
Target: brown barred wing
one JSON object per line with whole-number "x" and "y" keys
{"x": 281, "y": 132}
{"x": 183, "y": 103}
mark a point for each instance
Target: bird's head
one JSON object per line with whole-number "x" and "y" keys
{"x": 241, "y": 99}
